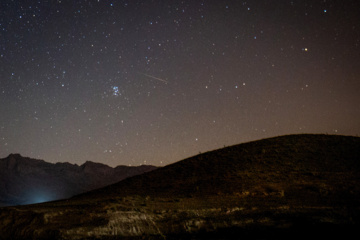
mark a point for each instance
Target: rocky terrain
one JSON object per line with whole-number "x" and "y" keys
{"x": 296, "y": 186}
{"x": 24, "y": 180}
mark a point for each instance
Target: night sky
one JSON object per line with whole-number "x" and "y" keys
{"x": 153, "y": 82}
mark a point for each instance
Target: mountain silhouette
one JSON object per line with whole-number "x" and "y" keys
{"x": 294, "y": 186}
{"x": 257, "y": 167}
{"x": 24, "y": 180}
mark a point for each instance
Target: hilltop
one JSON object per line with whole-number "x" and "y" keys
{"x": 254, "y": 166}
{"x": 282, "y": 187}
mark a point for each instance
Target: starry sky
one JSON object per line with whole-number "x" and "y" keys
{"x": 133, "y": 82}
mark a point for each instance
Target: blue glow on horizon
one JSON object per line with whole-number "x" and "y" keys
{"x": 39, "y": 197}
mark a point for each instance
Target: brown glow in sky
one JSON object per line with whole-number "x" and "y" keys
{"x": 153, "y": 82}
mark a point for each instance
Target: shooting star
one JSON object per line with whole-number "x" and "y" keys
{"x": 156, "y": 78}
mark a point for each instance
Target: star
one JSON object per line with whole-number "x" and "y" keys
{"x": 114, "y": 69}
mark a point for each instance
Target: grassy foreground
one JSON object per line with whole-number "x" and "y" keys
{"x": 289, "y": 186}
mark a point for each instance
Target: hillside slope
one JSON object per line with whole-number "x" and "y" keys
{"x": 276, "y": 188}
{"x": 254, "y": 166}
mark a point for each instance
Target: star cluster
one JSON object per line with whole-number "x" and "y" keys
{"x": 152, "y": 82}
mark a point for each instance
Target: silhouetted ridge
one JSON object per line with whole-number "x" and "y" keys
{"x": 296, "y": 186}
{"x": 24, "y": 180}
{"x": 14, "y": 155}
{"x": 248, "y": 166}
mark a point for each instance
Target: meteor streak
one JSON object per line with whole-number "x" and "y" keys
{"x": 156, "y": 78}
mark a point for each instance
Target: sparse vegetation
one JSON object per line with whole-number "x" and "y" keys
{"x": 289, "y": 183}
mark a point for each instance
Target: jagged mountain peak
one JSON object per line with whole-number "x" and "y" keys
{"x": 91, "y": 163}
{"x": 14, "y": 155}
{"x": 22, "y": 177}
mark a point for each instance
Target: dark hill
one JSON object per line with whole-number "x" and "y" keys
{"x": 296, "y": 186}
{"x": 24, "y": 180}
{"x": 272, "y": 164}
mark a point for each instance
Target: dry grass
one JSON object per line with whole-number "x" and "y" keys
{"x": 272, "y": 182}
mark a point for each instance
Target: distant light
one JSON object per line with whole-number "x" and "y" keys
{"x": 39, "y": 197}
{"x": 325, "y": 10}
